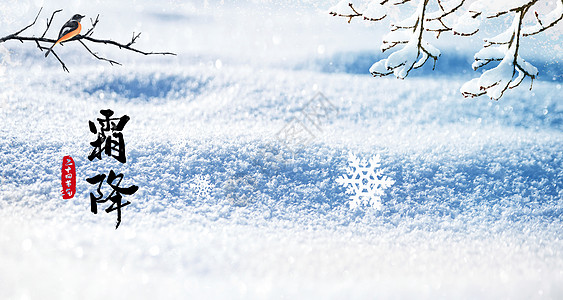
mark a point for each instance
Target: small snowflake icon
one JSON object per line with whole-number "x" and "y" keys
{"x": 363, "y": 182}
{"x": 201, "y": 186}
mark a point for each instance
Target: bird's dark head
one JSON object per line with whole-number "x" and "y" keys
{"x": 78, "y": 17}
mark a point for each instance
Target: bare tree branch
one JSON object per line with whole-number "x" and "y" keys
{"x": 111, "y": 62}
{"x": 349, "y": 16}
{"x": 26, "y": 27}
{"x": 49, "y": 21}
{"x": 80, "y": 38}
{"x": 401, "y": 2}
{"x": 367, "y": 14}
{"x": 119, "y": 45}
{"x": 94, "y": 23}
{"x": 60, "y": 61}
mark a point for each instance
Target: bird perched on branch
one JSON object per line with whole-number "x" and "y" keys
{"x": 69, "y": 30}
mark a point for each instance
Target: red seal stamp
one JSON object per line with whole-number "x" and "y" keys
{"x": 68, "y": 178}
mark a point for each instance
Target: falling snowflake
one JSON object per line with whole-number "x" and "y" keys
{"x": 364, "y": 182}
{"x": 201, "y": 186}
{"x": 240, "y": 188}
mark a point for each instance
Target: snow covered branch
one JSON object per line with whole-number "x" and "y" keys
{"x": 439, "y": 16}
{"x": 350, "y": 15}
{"x": 416, "y": 51}
{"x": 511, "y": 70}
{"x": 80, "y": 38}
{"x": 374, "y": 11}
{"x": 436, "y": 20}
{"x": 549, "y": 21}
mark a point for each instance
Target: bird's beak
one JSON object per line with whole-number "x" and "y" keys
{"x": 82, "y": 17}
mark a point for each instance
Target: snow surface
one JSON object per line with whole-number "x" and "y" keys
{"x": 475, "y": 211}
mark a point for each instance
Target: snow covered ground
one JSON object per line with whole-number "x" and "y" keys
{"x": 475, "y": 211}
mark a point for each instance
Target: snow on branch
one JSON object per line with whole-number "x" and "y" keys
{"x": 416, "y": 51}
{"x": 464, "y": 18}
{"x": 548, "y": 21}
{"x": 470, "y": 21}
{"x": 373, "y": 11}
{"x": 437, "y": 20}
{"x": 511, "y": 70}
{"x": 80, "y": 38}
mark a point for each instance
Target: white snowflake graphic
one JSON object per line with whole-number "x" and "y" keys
{"x": 365, "y": 184}
{"x": 201, "y": 186}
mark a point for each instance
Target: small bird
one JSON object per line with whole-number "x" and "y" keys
{"x": 69, "y": 30}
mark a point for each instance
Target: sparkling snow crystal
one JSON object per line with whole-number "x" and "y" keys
{"x": 364, "y": 182}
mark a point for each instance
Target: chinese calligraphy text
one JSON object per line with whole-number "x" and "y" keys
{"x": 110, "y": 142}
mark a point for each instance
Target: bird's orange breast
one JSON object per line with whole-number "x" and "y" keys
{"x": 70, "y": 35}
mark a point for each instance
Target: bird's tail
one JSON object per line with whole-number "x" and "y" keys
{"x": 49, "y": 51}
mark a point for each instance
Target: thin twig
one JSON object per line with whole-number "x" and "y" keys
{"x": 26, "y": 27}
{"x": 94, "y": 23}
{"x": 351, "y": 16}
{"x": 119, "y": 45}
{"x": 111, "y": 62}
{"x": 402, "y": 2}
{"x": 454, "y": 9}
{"x": 61, "y": 61}
{"x": 49, "y": 21}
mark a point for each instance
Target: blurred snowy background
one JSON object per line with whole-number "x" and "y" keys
{"x": 475, "y": 211}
